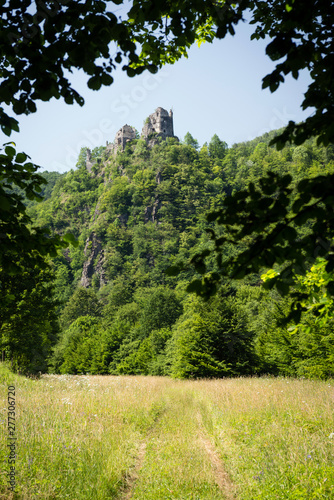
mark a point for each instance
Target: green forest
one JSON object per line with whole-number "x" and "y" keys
{"x": 109, "y": 303}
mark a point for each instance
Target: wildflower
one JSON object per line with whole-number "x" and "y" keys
{"x": 331, "y": 436}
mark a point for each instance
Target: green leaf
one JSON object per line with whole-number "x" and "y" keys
{"x": 130, "y": 71}
{"x": 10, "y": 151}
{"x": 94, "y": 82}
{"x": 107, "y": 79}
{"x": 195, "y": 286}
{"x": 21, "y": 158}
{"x": 32, "y": 106}
{"x": 70, "y": 238}
{"x": 200, "y": 266}
{"x": 6, "y": 130}
{"x": 173, "y": 270}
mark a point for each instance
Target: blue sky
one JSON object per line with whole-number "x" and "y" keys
{"x": 217, "y": 90}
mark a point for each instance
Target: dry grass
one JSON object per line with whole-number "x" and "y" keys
{"x": 275, "y": 435}
{"x": 104, "y": 437}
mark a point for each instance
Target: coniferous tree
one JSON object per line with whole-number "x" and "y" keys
{"x": 190, "y": 141}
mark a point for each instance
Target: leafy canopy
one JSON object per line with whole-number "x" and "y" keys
{"x": 263, "y": 225}
{"x": 17, "y": 236}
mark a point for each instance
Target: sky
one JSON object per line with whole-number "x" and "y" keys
{"x": 216, "y": 90}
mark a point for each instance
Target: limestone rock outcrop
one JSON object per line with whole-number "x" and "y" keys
{"x": 89, "y": 163}
{"x": 94, "y": 262}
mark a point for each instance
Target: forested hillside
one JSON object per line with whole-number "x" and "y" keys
{"x": 108, "y": 306}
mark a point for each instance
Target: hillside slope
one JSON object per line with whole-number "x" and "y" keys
{"x": 137, "y": 211}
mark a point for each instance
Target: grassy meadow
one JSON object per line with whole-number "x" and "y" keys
{"x": 136, "y": 437}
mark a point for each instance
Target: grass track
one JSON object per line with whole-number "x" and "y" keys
{"x": 85, "y": 437}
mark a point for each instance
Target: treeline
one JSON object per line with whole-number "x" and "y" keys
{"x": 108, "y": 305}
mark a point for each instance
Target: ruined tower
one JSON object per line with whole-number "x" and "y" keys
{"x": 124, "y": 135}
{"x": 159, "y": 123}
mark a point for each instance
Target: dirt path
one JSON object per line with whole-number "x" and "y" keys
{"x": 202, "y": 440}
{"x": 222, "y": 479}
{"x": 133, "y": 475}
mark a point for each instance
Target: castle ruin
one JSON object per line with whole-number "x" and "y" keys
{"x": 159, "y": 123}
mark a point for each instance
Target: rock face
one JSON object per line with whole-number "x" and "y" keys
{"x": 94, "y": 263}
{"x": 89, "y": 163}
{"x": 151, "y": 212}
{"x": 159, "y": 123}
